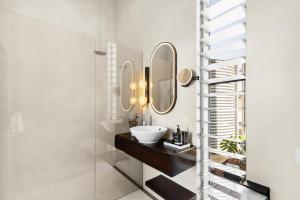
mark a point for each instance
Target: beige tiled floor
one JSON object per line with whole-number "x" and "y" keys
{"x": 137, "y": 195}
{"x": 110, "y": 183}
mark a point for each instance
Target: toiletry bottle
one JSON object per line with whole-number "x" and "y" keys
{"x": 178, "y": 136}
{"x": 173, "y": 137}
{"x": 185, "y": 137}
{"x": 178, "y": 129}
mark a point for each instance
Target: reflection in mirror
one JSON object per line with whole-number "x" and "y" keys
{"x": 163, "y": 78}
{"x": 127, "y": 86}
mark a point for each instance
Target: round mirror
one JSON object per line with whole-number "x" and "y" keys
{"x": 185, "y": 77}
{"x": 163, "y": 78}
{"x": 126, "y": 82}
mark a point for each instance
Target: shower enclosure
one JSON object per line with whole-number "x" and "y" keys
{"x": 59, "y": 109}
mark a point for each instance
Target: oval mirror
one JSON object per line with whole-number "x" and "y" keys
{"x": 185, "y": 77}
{"x": 126, "y": 78}
{"x": 163, "y": 78}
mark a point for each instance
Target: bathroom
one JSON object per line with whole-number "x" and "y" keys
{"x": 141, "y": 100}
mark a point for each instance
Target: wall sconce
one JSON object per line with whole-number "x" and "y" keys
{"x": 133, "y": 86}
{"x": 151, "y": 85}
{"x": 142, "y": 84}
{"x": 133, "y": 100}
{"x": 143, "y": 100}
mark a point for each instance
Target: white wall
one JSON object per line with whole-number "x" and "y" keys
{"x": 273, "y": 98}
{"x": 142, "y": 25}
{"x": 3, "y": 115}
{"x": 78, "y": 16}
{"x": 106, "y": 23}
{"x": 49, "y": 56}
{"x": 55, "y": 80}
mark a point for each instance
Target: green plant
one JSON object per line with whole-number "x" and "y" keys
{"x": 231, "y": 145}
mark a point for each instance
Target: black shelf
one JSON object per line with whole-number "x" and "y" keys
{"x": 167, "y": 160}
{"x": 168, "y": 189}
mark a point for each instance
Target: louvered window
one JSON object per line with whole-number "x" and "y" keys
{"x": 222, "y": 150}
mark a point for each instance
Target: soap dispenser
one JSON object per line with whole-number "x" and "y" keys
{"x": 178, "y": 137}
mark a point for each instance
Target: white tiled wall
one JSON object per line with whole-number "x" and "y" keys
{"x": 51, "y": 82}
{"x": 79, "y": 16}
{"x": 273, "y": 31}
{"x": 3, "y": 114}
{"x": 54, "y": 78}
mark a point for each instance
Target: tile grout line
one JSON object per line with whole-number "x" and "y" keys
{"x": 48, "y": 23}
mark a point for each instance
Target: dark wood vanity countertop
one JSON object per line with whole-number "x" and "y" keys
{"x": 167, "y": 160}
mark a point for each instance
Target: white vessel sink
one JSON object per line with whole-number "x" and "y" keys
{"x": 148, "y": 134}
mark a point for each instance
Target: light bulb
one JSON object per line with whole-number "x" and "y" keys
{"x": 133, "y": 100}
{"x": 151, "y": 85}
{"x": 142, "y": 100}
{"x": 133, "y": 86}
{"x": 142, "y": 84}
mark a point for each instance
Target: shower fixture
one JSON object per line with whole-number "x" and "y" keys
{"x": 101, "y": 53}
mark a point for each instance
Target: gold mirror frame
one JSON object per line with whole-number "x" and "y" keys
{"x": 172, "y": 47}
{"x": 128, "y": 62}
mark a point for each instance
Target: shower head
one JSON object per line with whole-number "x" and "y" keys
{"x": 101, "y": 53}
